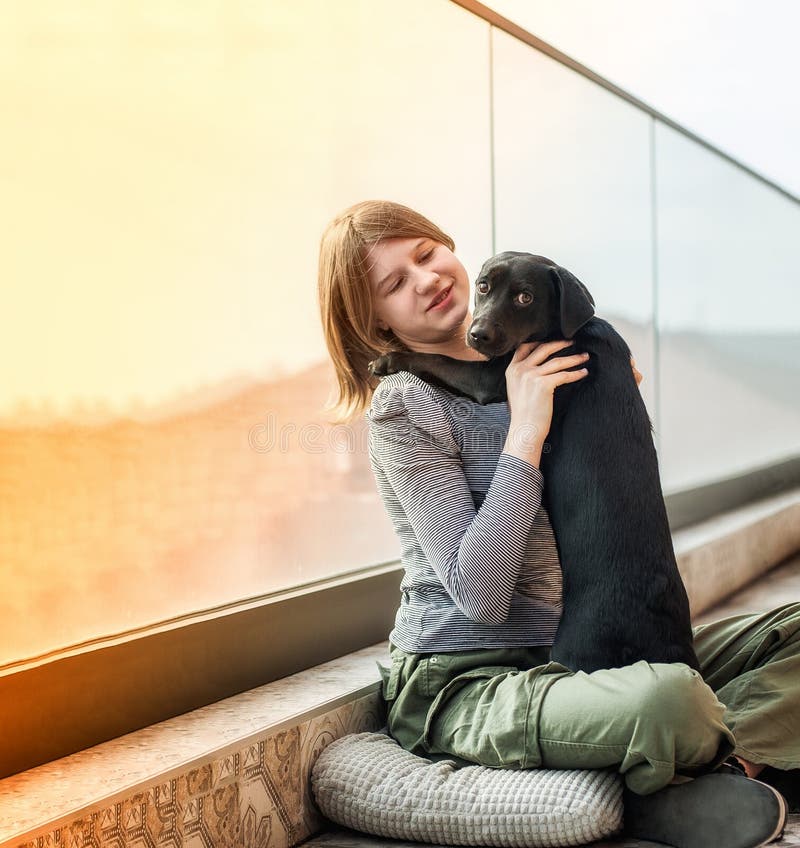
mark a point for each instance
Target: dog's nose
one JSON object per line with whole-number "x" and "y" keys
{"x": 481, "y": 333}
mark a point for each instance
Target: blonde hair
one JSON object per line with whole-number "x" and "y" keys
{"x": 346, "y": 298}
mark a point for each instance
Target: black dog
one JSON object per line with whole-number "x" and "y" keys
{"x": 623, "y": 596}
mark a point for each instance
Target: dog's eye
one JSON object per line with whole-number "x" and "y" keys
{"x": 482, "y": 287}
{"x": 524, "y": 298}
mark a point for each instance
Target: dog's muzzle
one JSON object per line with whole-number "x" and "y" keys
{"x": 486, "y": 338}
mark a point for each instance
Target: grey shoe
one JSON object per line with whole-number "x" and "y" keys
{"x": 713, "y": 810}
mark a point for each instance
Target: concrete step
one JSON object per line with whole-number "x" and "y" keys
{"x": 779, "y": 586}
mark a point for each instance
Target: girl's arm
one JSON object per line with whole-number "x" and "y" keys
{"x": 477, "y": 554}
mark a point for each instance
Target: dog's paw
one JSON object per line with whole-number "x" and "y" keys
{"x": 388, "y": 363}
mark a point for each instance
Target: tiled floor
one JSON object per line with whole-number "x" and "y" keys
{"x": 342, "y": 838}
{"x": 780, "y": 586}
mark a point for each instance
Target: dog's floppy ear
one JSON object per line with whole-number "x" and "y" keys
{"x": 577, "y": 305}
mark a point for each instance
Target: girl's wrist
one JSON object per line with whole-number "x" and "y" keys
{"x": 525, "y": 441}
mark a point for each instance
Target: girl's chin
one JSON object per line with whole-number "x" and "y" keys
{"x": 458, "y": 315}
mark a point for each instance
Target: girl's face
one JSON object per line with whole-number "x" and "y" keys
{"x": 420, "y": 291}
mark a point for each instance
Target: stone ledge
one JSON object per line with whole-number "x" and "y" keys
{"x": 719, "y": 556}
{"x": 201, "y": 749}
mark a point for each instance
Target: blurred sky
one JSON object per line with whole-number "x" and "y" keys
{"x": 728, "y": 70}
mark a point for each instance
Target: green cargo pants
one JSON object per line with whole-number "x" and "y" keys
{"x": 514, "y": 708}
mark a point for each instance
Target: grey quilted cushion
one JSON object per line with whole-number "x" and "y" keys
{"x": 367, "y": 782}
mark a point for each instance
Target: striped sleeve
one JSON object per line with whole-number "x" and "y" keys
{"x": 477, "y": 554}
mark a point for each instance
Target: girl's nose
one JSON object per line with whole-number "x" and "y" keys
{"x": 426, "y": 280}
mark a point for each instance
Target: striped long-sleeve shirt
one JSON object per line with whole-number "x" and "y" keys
{"x": 481, "y": 565}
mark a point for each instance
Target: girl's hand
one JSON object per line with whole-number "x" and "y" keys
{"x": 530, "y": 383}
{"x": 636, "y": 375}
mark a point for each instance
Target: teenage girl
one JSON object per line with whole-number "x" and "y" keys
{"x": 471, "y": 677}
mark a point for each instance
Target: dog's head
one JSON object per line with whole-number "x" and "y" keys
{"x": 520, "y": 297}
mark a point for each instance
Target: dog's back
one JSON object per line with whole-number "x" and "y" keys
{"x": 624, "y": 597}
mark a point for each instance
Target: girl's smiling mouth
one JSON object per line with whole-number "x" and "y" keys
{"x": 441, "y": 299}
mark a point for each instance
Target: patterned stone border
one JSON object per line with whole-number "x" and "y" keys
{"x": 255, "y": 797}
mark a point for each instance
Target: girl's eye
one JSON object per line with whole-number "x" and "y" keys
{"x": 424, "y": 258}
{"x": 524, "y": 298}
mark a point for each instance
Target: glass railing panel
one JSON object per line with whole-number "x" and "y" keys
{"x": 163, "y": 445}
{"x": 572, "y": 177}
{"x": 728, "y": 301}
